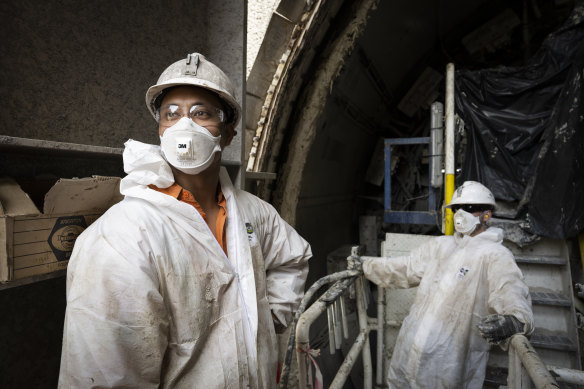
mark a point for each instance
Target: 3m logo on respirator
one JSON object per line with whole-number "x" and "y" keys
{"x": 184, "y": 149}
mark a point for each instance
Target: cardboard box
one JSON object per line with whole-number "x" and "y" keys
{"x": 34, "y": 243}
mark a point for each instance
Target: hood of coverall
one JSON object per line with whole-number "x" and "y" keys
{"x": 492, "y": 234}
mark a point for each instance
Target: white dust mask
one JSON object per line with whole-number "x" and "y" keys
{"x": 465, "y": 222}
{"x": 189, "y": 147}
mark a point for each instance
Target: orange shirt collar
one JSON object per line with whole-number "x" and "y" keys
{"x": 181, "y": 194}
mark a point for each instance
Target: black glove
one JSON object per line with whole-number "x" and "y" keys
{"x": 497, "y": 328}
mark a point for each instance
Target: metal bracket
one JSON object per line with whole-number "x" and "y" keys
{"x": 192, "y": 64}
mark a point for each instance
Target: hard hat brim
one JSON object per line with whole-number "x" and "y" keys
{"x": 469, "y": 203}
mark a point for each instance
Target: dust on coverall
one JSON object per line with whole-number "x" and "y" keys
{"x": 152, "y": 300}
{"x": 461, "y": 279}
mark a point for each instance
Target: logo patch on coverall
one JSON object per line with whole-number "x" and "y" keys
{"x": 462, "y": 272}
{"x": 251, "y": 236}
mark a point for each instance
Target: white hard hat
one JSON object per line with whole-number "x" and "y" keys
{"x": 472, "y": 192}
{"x": 195, "y": 70}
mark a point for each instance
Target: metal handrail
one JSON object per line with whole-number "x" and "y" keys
{"x": 569, "y": 376}
{"x": 526, "y": 367}
{"x": 361, "y": 344}
{"x": 335, "y": 277}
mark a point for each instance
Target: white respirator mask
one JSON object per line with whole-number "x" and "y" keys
{"x": 465, "y": 222}
{"x": 189, "y": 147}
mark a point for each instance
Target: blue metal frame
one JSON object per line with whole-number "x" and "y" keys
{"x": 407, "y": 217}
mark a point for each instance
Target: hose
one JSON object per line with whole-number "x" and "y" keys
{"x": 347, "y": 277}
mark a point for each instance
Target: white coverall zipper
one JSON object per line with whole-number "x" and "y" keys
{"x": 236, "y": 274}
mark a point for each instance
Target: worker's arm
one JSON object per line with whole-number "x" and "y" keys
{"x": 509, "y": 301}
{"x": 116, "y": 322}
{"x": 286, "y": 256}
{"x": 399, "y": 272}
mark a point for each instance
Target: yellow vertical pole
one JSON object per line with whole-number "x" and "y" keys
{"x": 448, "y": 192}
{"x": 449, "y": 149}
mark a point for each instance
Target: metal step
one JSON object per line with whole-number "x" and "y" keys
{"x": 540, "y": 260}
{"x": 553, "y": 342}
{"x": 554, "y": 299}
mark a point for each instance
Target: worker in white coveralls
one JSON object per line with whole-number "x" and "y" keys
{"x": 182, "y": 284}
{"x": 471, "y": 294}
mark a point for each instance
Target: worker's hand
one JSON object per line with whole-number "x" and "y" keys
{"x": 496, "y": 328}
{"x": 354, "y": 262}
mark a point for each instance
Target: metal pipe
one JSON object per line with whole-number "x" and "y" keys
{"x": 541, "y": 377}
{"x": 331, "y": 328}
{"x": 449, "y": 150}
{"x": 364, "y": 295}
{"x": 517, "y": 377}
{"x": 347, "y": 365}
{"x": 302, "y": 341}
{"x": 436, "y": 143}
{"x": 380, "y": 315}
{"x": 349, "y": 276}
{"x": 387, "y": 335}
{"x": 304, "y": 322}
{"x": 388, "y": 323}
{"x": 344, "y": 317}
{"x": 338, "y": 326}
{"x": 362, "y": 316}
{"x": 569, "y": 376}
{"x": 514, "y": 362}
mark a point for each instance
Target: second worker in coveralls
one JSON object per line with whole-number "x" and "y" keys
{"x": 471, "y": 293}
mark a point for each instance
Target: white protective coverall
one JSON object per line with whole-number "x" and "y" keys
{"x": 153, "y": 301}
{"x": 461, "y": 279}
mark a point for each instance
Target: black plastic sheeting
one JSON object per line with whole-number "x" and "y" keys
{"x": 525, "y": 129}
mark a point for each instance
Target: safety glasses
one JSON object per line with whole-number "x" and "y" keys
{"x": 471, "y": 208}
{"x": 201, "y": 114}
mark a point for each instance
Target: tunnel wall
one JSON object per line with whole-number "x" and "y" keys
{"x": 77, "y": 72}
